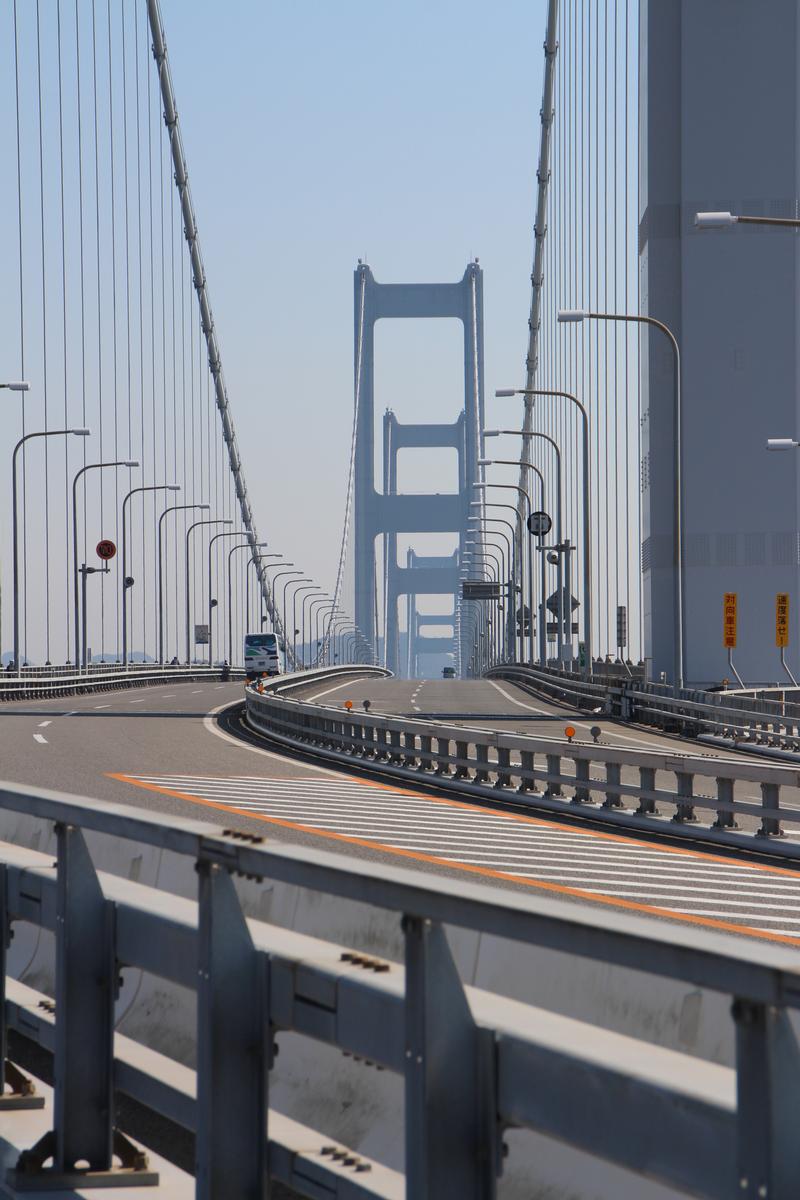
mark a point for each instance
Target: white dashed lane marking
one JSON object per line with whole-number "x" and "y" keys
{"x": 44, "y": 724}
{"x": 40, "y": 738}
{"x": 595, "y": 866}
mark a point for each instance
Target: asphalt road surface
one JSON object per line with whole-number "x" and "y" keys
{"x": 162, "y": 748}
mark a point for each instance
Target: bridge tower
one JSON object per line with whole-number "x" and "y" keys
{"x": 720, "y": 130}
{"x": 389, "y": 513}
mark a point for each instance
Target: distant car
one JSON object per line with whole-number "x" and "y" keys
{"x": 448, "y": 673}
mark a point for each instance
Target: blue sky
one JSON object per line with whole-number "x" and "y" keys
{"x": 318, "y": 133}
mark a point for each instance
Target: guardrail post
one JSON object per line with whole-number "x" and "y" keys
{"x": 443, "y": 755}
{"x": 684, "y": 807}
{"x": 503, "y": 764}
{"x": 449, "y": 1081}
{"x": 86, "y": 975}
{"x": 647, "y": 782}
{"x": 394, "y": 738}
{"x": 770, "y": 799}
{"x": 725, "y": 818}
{"x": 410, "y": 743}
{"x": 482, "y": 757}
{"x": 768, "y": 1098}
{"x": 526, "y": 764}
{"x": 462, "y": 753}
{"x": 581, "y": 795}
{"x": 233, "y": 1033}
{"x": 22, "y": 1092}
{"x": 425, "y": 752}
{"x": 613, "y": 797}
{"x": 554, "y": 768}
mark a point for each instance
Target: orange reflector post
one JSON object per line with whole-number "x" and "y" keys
{"x": 348, "y": 704}
{"x": 570, "y": 732}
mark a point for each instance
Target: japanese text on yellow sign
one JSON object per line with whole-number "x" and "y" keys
{"x": 782, "y": 619}
{"x": 729, "y": 621}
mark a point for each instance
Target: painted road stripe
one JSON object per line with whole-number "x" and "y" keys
{"x": 38, "y": 737}
{"x": 44, "y": 724}
{"x": 102, "y": 706}
{"x": 590, "y": 865}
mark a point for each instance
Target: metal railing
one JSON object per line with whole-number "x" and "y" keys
{"x": 39, "y": 682}
{"x": 687, "y": 796}
{"x": 741, "y": 720}
{"x": 474, "y": 1063}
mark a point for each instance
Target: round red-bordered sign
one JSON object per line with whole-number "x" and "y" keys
{"x": 105, "y": 549}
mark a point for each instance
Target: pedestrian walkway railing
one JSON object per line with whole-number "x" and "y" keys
{"x": 474, "y": 1063}
{"x": 688, "y": 796}
{"x": 46, "y": 682}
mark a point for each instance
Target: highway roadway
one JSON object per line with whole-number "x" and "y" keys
{"x": 170, "y": 748}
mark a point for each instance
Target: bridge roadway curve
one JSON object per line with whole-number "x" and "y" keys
{"x": 169, "y": 748}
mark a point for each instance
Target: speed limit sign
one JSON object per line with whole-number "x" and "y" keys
{"x": 105, "y": 549}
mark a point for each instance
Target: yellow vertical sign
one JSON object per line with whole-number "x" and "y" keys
{"x": 782, "y": 620}
{"x": 729, "y": 621}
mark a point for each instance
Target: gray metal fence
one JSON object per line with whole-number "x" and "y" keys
{"x": 689, "y": 796}
{"x": 474, "y": 1064}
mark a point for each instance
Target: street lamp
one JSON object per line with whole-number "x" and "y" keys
{"x": 782, "y": 444}
{"x": 289, "y": 583}
{"x": 587, "y": 505}
{"x": 529, "y": 433}
{"x": 43, "y": 433}
{"x": 722, "y": 220}
{"x": 100, "y": 466}
{"x": 231, "y": 552}
{"x": 502, "y": 462}
{"x": 214, "y": 538}
{"x": 308, "y": 596}
{"x": 189, "y": 531}
{"x": 302, "y": 586}
{"x": 172, "y": 508}
{"x": 17, "y": 386}
{"x": 572, "y": 316}
{"x": 155, "y": 487}
{"x": 258, "y": 561}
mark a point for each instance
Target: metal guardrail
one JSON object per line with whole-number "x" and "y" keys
{"x": 474, "y": 1063}
{"x": 740, "y": 720}
{"x": 68, "y": 682}
{"x": 669, "y": 791}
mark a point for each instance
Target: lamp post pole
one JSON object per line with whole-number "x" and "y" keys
{"x": 479, "y": 522}
{"x": 189, "y": 531}
{"x": 124, "y": 462}
{"x": 299, "y": 577}
{"x": 301, "y": 590}
{"x": 516, "y": 534}
{"x": 506, "y": 556}
{"x": 156, "y": 487}
{"x": 515, "y": 487}
{"x": 172, "y": 508}
{"x": 231, "y": 552}
{"x": 587, "y": 506}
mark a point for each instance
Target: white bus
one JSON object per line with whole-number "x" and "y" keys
{"x": 262, "y": 655}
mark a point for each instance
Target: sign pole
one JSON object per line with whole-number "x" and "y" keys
{"x": 729, "y": 630}
{"x": 782, "y": 630}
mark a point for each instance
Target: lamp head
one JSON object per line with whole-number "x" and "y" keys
{"x": 173, "y": 487}
{"x": 505, "y": 393}
{"x": 485, "y": 462}
{"x": 132, "y": 462}
{"x": 714, "y": 220}
{"x": 81, "y": 432}
{"x": 19, "y": 385}
{"x": 572, "y": 316}
{"x": 782, "y": 444}
{"x": 492, "y": 432}
{"x": 204, "y": 507}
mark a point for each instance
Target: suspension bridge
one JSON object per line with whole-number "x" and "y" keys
{"x": 486, "y": 884}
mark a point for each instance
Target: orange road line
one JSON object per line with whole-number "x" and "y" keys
{"x": 486, "y": 872}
